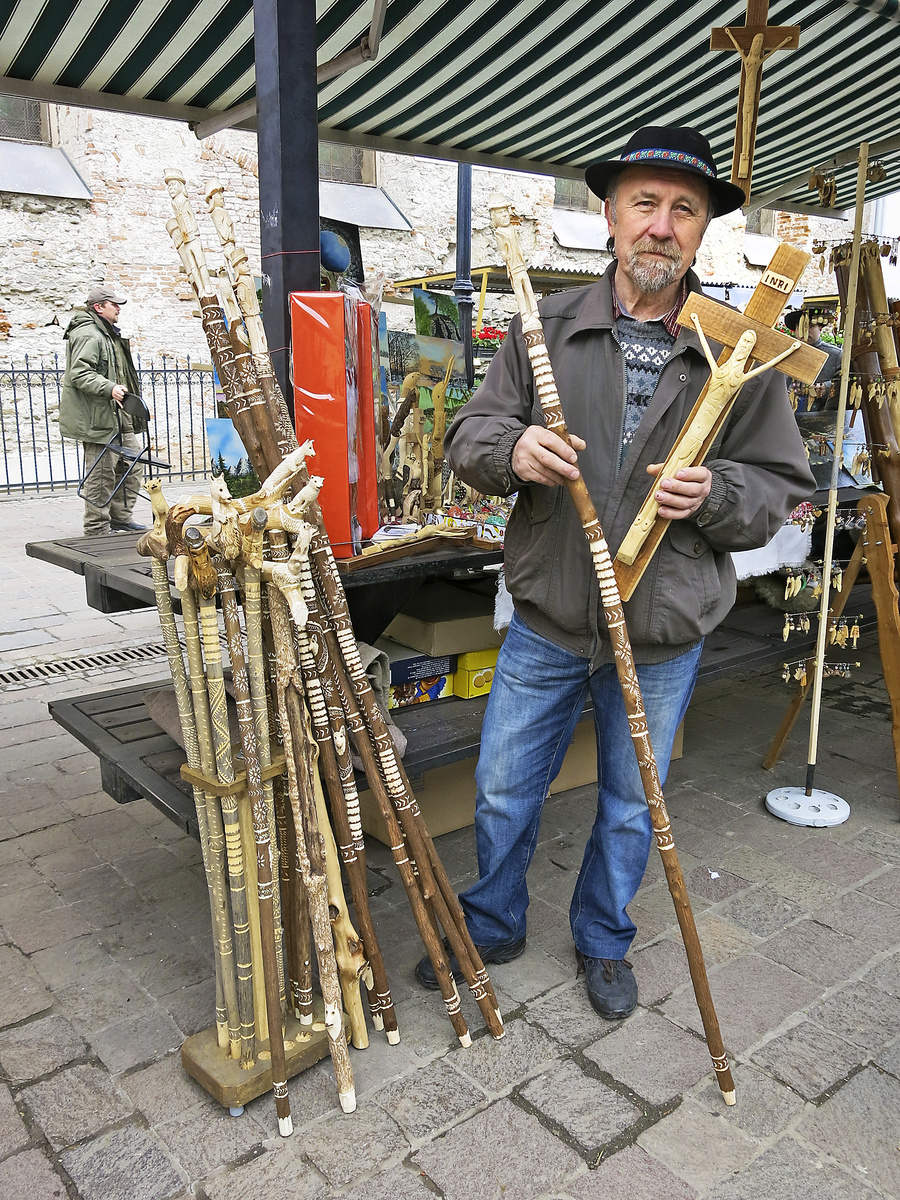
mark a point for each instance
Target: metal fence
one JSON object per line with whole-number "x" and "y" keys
{"x": 36, "y": 457}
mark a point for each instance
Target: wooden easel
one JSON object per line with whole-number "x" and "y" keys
{"x": 876, "y": 552}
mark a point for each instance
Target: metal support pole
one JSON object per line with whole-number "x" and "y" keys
{"x": 462, "y": 285}
{"x": 287, "y": 132}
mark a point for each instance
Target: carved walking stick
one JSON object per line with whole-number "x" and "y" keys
{"x": 625, "y": 667}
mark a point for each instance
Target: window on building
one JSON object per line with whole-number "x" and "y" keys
{"x": 575, "y": 194}
{"x": 761, "y": 220}
{"x": 346, "y": 164}
{"x": 22, "y": 120}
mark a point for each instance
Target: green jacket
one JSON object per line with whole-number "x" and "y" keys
{"x": 758, "y": 463}
{"x": 87, "y": 411}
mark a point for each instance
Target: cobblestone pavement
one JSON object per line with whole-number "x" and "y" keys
{"x": 105, "y": 966}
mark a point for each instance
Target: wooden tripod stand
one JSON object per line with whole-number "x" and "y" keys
{"x": 877, "y": 552}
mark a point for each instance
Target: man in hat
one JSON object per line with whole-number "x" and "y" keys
{"x": 99, "y": 374}
{"x": 628, "y": 377}
{"x": 824, "y": 391}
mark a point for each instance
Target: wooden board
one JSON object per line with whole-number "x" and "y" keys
{"x": 744, "y": 35}
{"x": 224, "y": 1078}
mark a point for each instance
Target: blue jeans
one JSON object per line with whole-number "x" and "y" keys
{"x": 536, "y": 697}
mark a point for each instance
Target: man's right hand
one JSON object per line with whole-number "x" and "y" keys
{"x": 119, "y": 393}
{"x": 540, "y": 456}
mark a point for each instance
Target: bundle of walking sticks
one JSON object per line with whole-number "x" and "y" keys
{"x": 264, "y": 565}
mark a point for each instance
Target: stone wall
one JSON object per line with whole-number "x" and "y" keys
{"x": 57, "y": 249}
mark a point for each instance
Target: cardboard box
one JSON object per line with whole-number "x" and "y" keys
{"x": 442, "y": 619}
{"x": 420, "y": 691}
{"x": 446, "y": 796}
{"x": 406, "y": 666}
{"x": 467, "y": 684}
{"x": 478, "y": 658}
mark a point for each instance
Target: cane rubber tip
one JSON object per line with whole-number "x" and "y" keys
{"x": 498, "y": 1037}
{"x": 729, "y": 1097}
{"x": 378, "y": 1023}
{"x": 237, "y": 1110}
{"x": 285, "y": 1126}
{"x": 306, "y": 1019}
{"x": 348, "y": 1101}
{"x": 393, "y": 1037}
{"x": 465, "y": 1039}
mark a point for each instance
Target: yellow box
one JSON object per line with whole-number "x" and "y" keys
{"x": 467, "y": 684}
{"x": 477, "y": 658}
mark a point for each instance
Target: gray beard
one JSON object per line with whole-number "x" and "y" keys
{"x": 654, "y": 275}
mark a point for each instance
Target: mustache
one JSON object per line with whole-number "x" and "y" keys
{"x": 651, "y": 246}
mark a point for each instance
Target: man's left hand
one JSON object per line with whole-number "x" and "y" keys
{"x": 681, "y": 495}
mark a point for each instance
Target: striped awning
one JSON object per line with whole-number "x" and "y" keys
{"x": 541, "y": 85}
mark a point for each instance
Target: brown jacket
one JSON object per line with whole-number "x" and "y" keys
{"x": 758, "y": 463}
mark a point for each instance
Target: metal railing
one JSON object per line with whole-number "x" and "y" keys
{"x": 36, "y": 457}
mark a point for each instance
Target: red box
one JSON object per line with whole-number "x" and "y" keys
{"x": 334, "y": 404}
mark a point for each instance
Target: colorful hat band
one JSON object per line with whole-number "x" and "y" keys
{"x": 670, "y": 156}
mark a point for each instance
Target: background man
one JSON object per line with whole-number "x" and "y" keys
{"x": 823, "y": 393}
{"x": 99, "y": 372}
{"x": 628, "y": 376}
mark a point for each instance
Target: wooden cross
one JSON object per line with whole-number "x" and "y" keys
{"x": 755, "y": 41}
{"x": 727, "y": 327}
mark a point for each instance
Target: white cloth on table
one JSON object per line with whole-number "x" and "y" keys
{"x": 788, "y": 548}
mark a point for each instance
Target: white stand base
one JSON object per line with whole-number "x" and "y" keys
{"x": 821, "y": 809}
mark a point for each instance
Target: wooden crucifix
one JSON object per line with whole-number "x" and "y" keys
{"x": 745, "y": 338}
{"x": 755, "y": 41}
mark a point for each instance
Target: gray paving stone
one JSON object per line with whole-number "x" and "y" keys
{"x": 55, "y": 926}
{"x": 344, "y": 1147}
{"x": 72, "y": 962}
{"x": 809, "y": 891}
{"x": 879, "y": 843}
{"x": 863, "y": 1015}
{"x": 531, "y": 975}
{"x": 651, "y": 1056}
{"x": 142, "y": 1038}
{"x": 632, "y": 1174}
{"x": 499, "y": 1154}
{"x": 884, "y": 887}
{"x": 659, "y": 969}
{"x": 205, "y": 1137}
{"x": 164, "y": 1090}
{"x": 697, "y": 1147}
{"x": 13, "y": 1134}
{"x": 752, "y": 995}
{"x": 428, "y": 1099}
{"x": 791, "y": 1170}
{"x": 568, "y": 1017}
{"x": 864, "y": 918}
{"x": 837, "y": 863}
{"x": 400, "y": 1183}
{"x": 110, "y": 995}
{"x": 161, "y": 974}
{"x": 723, "y": 941}
{"x": 192, "y": 1008}
{"x": 22, "y": 992}
{"x": 763, "y": 1109}
{"x": 74, "y": 1104}
{"x": 761, "y": 911}
{"x": 277, "y": 1174}
{"x": 39, "y": 1047}
{"x": 808, "y": 1058}
{"x": 587, "y": 1110}
{"x": 498, "y": 1066}
{"x": 714, "y": 884}
{"x": 818, "y": 952}
{"x": 858, "y": 1127}
{"x": 30, "y": 1175}
{"x": 124, "y": 1164}
{"x": 68, "y": 860}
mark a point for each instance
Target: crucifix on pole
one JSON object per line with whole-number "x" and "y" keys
{"x": 755, "y": 41}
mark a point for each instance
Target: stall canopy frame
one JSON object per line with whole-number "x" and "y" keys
{"x": 538, "y": 85}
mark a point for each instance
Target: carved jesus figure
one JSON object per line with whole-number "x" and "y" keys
{"x": 753, "y": 61}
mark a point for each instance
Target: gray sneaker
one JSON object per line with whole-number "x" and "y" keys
{"x": 611, "y": 986}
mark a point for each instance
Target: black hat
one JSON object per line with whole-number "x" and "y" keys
{"x": 817, "y": 316}
{"x": 668, "y": 146}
